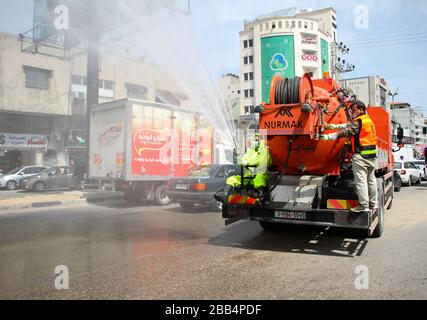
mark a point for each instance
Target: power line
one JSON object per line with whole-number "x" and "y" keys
{"x": 389, "y": 44}
{"x": 387, "y": 36}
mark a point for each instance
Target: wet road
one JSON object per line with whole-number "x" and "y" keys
{"x": 118, "y": 252}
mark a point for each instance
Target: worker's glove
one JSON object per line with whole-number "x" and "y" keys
{"x": 335, "y": 126}
{"x": 326, "y": 137}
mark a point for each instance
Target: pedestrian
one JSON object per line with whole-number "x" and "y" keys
{"x": 364, "y": 141}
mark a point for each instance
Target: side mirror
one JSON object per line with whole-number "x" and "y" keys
{"x": 400, "y": 137}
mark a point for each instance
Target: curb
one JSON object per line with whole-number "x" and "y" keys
{"x": 55, "y": 203}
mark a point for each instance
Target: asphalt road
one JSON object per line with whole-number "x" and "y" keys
{"x": 113, "y": 251}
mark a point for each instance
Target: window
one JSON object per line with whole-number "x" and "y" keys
{"x": 135, "y": 91}
{"x": 246, "y": 110}
{"x": 287, "y": 24}
{"x": 273, "y": 25}
{"x": 36, "y": 78}
{"x": 299, "y": 24}
{"x": 251, "y": 75}
{"x": 106, "y": 88}
{"x": 252, "y": 109}
{"x": 246, "y": 93}
{"x": 293, "y": 24}
{"x": 246, "y": 76}
{"x": 251, "y": 59}
{"x": 245, "y": 44}
{"x": 79, "y": 80}
{"x": 245, "y": 60}
{"x": 266, "y": 26}
{"x": 251, "y": 43}
{"x": 251, "y": 93}
{"x": 280, "y": 24}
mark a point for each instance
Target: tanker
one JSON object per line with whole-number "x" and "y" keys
{"x": 311, "y": 181}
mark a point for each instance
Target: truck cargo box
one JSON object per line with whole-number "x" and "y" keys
{"x": 146, "y": 141}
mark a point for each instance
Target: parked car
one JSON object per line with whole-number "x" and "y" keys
{"x": 408, "y": 172}
{"x": 397, "y": 181}
{"x": 421, "y": 165}
{"x": 11, "y": 179}
{"x": 200, "y": 186}
{"x": 52, "y": 178}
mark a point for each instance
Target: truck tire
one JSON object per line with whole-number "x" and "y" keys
{"x": 187, "y": 205}
{"x": 160, "y": 196}
{"x": 268, "y": 226}
{"x": 381, "y": 210}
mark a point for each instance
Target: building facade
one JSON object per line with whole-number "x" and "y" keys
{"x": 230, "y": 89}
{"x": 411, "y": 120}
{"x": 43, "y": 101}
{"x": 286, "y": 43}
{"x": 373, "y": 90}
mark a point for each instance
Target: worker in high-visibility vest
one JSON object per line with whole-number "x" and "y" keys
{"x": 364, "y": 140}
{"x": 256, "y": 160}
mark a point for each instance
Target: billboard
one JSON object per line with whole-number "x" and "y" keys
{"x": 324, "y": 47}
{"x": 277, "y": 58}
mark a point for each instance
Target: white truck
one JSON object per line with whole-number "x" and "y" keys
{"x": 137, "y": 146}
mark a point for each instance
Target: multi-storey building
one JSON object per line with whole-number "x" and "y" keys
{"x": 287, "y": 43}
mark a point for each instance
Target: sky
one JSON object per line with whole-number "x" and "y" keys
{"x": 393, "y": 45}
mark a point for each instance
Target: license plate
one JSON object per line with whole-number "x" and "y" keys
{"x": 290, "y": 215}
{"x": 181, "y": 186}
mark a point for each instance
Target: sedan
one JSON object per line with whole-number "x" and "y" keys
{"x": 53, "y": 178}
{"x": 12, "y": 179}
{"x": 200, "y": 186}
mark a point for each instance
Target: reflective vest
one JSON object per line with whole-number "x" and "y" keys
{"x": 365, "y": 142}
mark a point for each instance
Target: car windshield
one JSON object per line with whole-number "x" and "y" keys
{"x": 418, "y": 163}
{"x": 398, "y": 165}
{"x": 202, "y": 172}
{"x": 16, "y": 170}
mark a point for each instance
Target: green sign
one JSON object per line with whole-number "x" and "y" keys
{"x": 277, "y": 58}
{"x": 324, "y": 46}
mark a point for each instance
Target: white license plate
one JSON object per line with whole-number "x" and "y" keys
{"x": 290, "y": 215}
{"x": 181, "y": 186}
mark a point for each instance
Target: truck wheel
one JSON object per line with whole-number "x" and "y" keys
{"x": 160, "y": 196}
{"x": 187, "y": 205}
{"x": 380, "y": 226}
{"x": 268, "y": 226}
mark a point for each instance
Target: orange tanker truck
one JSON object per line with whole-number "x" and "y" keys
{"x": 311, "y": 181}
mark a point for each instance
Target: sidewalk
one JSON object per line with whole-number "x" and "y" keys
{"x": 36, "y": 200}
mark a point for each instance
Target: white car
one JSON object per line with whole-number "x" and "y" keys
{"x": 11, "y": 180}
{"x": 421, "y": 165}
{"x": 408, "y": 172}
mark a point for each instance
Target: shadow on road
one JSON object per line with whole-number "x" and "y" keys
{"x": 197, "y": 209}
{"x": 293, "y": 238}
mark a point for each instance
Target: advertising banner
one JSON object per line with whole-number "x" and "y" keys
{"x": 22, "y": 140}
{"x": 324, "y": 47}
{"x": 185, "y": 155}
{"x": 277, "y": 58}
{"x": 152, "y": 138}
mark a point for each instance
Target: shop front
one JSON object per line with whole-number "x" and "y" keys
{"x": 21, "y": 150}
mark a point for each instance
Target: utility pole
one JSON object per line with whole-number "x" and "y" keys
{"x": 339, "y": 66}
{"x": 392, "y": 95}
